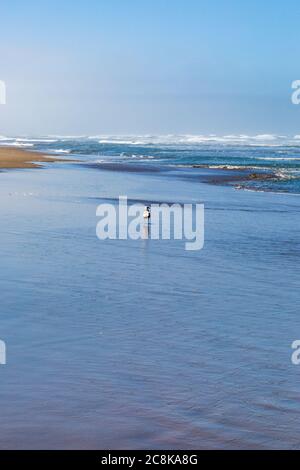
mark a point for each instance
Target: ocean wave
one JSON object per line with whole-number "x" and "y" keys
{"x": 17, "y": 144}
{"x": 222, "y": 166}
{"x": 235, "y": 167}
{"x": 4, "y": 138}
{"x": 269, "y": 140}
{"x": 42, "y": 141}
{"x": 121, "y": 142}
{"x": 61, "y": 151}
{"x": 67, "y": 137}
{"x": 256, "y": 140}
{"x": 286, "y": 175}
{"x": 280, "y": 159}
{"x": 138, "y": 157}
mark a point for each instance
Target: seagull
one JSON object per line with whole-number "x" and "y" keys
{"x": 147, "y": 213}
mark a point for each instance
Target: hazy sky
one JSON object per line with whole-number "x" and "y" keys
{"x": 149, "y": 66}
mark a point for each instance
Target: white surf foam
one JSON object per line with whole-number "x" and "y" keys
{"x": 62, "y": 151}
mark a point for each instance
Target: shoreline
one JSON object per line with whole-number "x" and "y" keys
{"x": 12, "y": 158}
{"x": 248, "y": 178}
{"x": 236, "y": 178}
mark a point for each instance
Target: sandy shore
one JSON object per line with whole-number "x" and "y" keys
{"x": 19, "y": 158}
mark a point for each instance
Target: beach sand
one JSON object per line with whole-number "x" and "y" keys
{"x": 19, "y": 158}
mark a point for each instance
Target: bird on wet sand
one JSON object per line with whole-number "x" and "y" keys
{"x": 147, "y": 213}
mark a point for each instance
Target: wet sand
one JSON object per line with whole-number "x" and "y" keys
{"x": 139, "y": 344}
{"x": 239, "y": 178}
{"x": 19, "y": 158}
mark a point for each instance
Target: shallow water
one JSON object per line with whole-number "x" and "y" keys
{"x": 141, "y": 344}
{"x": 273, "y": 161}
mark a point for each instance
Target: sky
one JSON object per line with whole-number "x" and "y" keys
{"x": 149, "y": 67}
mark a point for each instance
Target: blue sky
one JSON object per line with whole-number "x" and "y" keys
{"x": 95, "y": 66}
